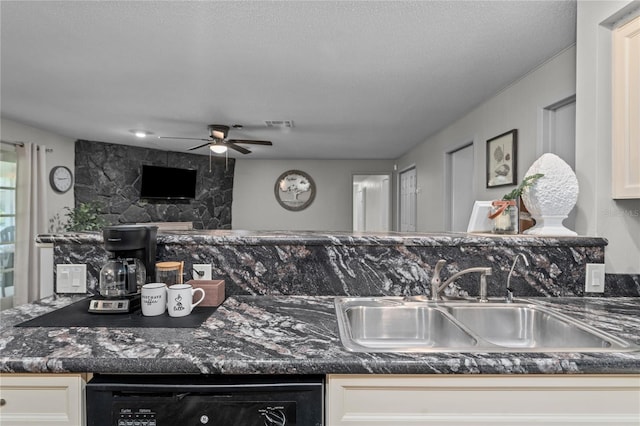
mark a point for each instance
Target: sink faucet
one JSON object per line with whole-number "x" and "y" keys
{"x": 509, "y": 295}
{"x": 437, "y": 286}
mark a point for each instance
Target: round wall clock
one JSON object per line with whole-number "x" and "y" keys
{"x": 295, "y": 190}
{"x": 61, "y": 179}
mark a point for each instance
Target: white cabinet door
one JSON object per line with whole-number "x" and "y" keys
{"x": 626, "y": 111}
{"x": 42, "y": 399}
{"x": 359, "y": 400}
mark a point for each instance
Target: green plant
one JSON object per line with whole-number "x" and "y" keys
{"x": 526, "y": 182}
{"x": 85, "y": 217}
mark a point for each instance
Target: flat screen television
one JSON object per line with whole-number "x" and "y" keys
{"x": 168, "y": 183}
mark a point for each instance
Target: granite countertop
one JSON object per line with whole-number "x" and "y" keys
{"x": 286, "y": 335}
{"x": 248, "y": 238}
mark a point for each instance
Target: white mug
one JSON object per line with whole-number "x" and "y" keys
{"x": 180, "y": 299}
{"x": 153, "y": 299}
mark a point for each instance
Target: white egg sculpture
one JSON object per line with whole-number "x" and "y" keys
{"x": 551, "y": 197}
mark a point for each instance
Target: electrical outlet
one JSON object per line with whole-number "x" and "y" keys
{"x": 594, "y": 282}
{"x": 71, "y": 278}
{"x": 201, "y": 271}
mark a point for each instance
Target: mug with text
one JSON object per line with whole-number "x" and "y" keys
{"x": 153, "y": 299}
{"x": 180, "y": 299}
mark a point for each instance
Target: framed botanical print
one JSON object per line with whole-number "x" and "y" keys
{"x": 502, "y": 159}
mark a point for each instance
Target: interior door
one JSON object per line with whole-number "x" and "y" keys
{"x": 560, "y": 138}
{"x": 371, "y": 202}
{"x": 460, "y": 176}
{"x": 408, "y": 200}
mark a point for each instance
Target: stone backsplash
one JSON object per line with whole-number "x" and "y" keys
{"x": 288, "y": 263}
{"x": 110, "y": 174}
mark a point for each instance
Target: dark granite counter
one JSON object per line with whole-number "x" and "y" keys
{"x": 286, "y": 335}
{"x": 362, "y": 264}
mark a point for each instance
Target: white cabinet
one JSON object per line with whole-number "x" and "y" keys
{"x": 483, "y": 400}
{"x": 626, "y": 110}
{"x": 42, "y": 399}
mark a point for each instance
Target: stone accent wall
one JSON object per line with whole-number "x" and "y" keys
{"x": 110, "y": 174}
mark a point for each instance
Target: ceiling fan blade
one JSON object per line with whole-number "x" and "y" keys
{"x": 252, "y": 142}
{"x": 190, "y": 139}
{"x": 237, "y": 148}
{"x": 199, "y": 146}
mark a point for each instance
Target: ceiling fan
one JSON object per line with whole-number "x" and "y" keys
{"x": 218, "y": 141}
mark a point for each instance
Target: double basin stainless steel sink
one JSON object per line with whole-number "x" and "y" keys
{"x": 396, "y": 324}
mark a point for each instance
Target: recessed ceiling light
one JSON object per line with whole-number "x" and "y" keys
{"x": 141, "y": 133}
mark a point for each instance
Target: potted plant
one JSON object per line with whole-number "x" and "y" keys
{"x": 85, "y": 217}
{"x": 504, "y": 212}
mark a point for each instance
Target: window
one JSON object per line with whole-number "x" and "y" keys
{"x": 8, "y": 161}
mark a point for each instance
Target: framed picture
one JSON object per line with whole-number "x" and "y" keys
{"x": 502, "y": 159}
{"x": 479, "y": 220}
{"x": 295, "y": 190}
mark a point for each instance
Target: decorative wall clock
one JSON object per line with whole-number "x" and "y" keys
{"x": 295, "y": 190}
{"x": 61, "y": 179}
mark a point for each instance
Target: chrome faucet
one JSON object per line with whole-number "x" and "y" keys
{"x": 437, "y": 286}
{"x": 509, "y": 295}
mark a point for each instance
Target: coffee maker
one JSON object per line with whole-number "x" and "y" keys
{"x": 131, "y": 264}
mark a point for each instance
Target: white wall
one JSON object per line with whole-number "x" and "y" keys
{"x": 255, "y": 207}
{"x": 516, "y": 107}
{"x": 598, "y": 214}
{"x": 62, "y": 153}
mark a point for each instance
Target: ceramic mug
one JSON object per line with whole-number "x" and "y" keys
{"x": 153, "y": 299}
{"x": 180, "y": 299}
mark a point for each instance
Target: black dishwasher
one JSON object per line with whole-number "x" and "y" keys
{"x": 213, "y": 400}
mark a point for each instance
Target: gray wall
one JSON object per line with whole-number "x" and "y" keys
{"x": 255, "y": 206}
{"x": 516, "y": 107}
{"x": 60, "y": 152}
{"x": 110, "y": 174}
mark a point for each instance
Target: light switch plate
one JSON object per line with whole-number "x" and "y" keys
{"x": 204, "y": 271}
{"x": 594, "y": 282}
{"x": 71, "y": 278}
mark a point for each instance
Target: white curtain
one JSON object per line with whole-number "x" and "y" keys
{"x": 31, "y": 220}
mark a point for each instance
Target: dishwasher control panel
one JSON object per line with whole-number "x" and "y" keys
{"x": 137, "y": 417}
{"x": 208, "y": 410}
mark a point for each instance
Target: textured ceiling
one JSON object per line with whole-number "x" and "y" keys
{"x": 359, "y": 79}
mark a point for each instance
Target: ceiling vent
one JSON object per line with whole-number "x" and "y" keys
{"x": 279, "y": 123}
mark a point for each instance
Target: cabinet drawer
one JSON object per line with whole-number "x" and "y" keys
{"x": 42, "y": 399}
{"x": 359, "y": 400}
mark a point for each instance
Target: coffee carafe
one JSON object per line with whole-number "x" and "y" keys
{"x": 132, "y": 264}
{"x": 122, "y": 277}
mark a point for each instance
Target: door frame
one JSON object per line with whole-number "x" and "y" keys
{"x": 390, "y": 198}
{"x": 545, "y": 142}
{"x": 448, "y": 186}
{"x": 398, "y": 215}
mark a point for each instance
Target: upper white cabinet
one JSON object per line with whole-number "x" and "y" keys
{"x": 626, "y": 111}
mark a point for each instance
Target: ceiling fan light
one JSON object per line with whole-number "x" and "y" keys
{"x": 217, "y": 134}
{"x": 218, "y": 149}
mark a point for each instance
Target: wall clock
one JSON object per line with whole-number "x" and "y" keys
{"x": 295, "y": 190}
{"x": 61, "y": 179}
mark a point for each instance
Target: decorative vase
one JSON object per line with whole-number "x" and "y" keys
{"x": 504, "y": 215}
{"x": 551, "y": 198}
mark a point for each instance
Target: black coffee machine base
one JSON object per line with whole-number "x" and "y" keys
{"x": 123, "y": 305}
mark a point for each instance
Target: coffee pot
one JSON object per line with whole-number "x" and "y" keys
{"x": 122, "y": 277}
{"x": 131, "y": 264}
